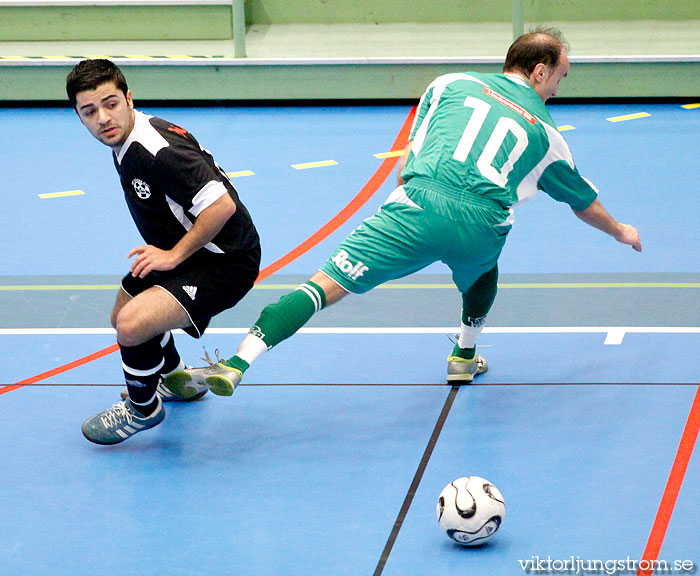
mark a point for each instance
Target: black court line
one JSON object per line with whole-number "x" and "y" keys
{"x": 416, "y": 480}
{"x": 376, "y": 384}
{"x": 442, "y": 384}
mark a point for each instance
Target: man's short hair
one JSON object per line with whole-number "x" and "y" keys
{"x": 544, "y": 45}
{"x": 89, "y": 74}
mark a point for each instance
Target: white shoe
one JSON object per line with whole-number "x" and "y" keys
{"x": 463, "y": 370}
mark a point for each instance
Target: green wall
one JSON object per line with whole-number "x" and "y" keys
{"x": 100, "y": 23}
{"x": 213, "y": 22}
{"x": 377, "y": 11}
{"x": 339, "y": 82}
{"x": 35, "y": 80}
{"x": 588, "y": 10}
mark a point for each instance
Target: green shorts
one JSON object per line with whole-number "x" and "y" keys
{"x": 402, "y": 238}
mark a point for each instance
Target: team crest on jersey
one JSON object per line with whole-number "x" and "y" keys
{"x": 142, "y": 189}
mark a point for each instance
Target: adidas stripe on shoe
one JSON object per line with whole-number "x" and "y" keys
{"x": 167, "y": 395}
{"x": 120, "y": 422}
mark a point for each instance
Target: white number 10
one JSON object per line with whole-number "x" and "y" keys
{"x": 485, "y": 161}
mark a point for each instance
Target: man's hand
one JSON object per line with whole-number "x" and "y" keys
{"x": 150, "y": 258}
{"x": 629, "y": 235}
{"x": 597, "y": 216}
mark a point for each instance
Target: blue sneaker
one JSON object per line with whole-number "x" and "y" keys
{"x": 119, "y": 422}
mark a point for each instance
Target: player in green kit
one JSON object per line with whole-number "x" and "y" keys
{"x": 480, "y": 144}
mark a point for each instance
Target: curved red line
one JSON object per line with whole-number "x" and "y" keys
{"x": 326, "y": 230}
{"x": 351, "y": 208}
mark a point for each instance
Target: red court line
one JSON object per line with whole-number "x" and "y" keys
{"x": 372, "y": 185}
{"x": 61, "y": 369}
{"x": 353, "y": 206}
{"x": 673, "y": 487}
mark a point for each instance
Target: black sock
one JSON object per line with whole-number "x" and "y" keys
{"x": 148, "y": 409}
{"x": 142, "y": 367}
{"x": 172, "y": 360}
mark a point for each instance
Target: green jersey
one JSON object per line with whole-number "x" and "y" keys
{"x": 488, "y": 138}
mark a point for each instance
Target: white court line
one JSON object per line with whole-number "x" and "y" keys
{"x": 613, "y": 334}
{"x": 614, "y": 338}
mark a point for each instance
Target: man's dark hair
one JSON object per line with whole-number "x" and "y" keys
{"x": 89, "y": 74}
{"x": 544, "y": 45}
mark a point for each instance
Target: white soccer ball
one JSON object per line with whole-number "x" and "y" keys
{"x": 470, "y": 510}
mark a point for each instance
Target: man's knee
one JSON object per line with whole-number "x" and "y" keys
{"x": 129, "y": 327}
{"x": 122, "y": 300}
{"x": 149, "y": 314}
{"x": 113, "y": 318}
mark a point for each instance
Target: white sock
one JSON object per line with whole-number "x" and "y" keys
{"x": 251, "y": 348}
{"x": 468, "y": 335}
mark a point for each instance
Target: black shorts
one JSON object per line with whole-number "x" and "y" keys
{"x": 204, "y": 285}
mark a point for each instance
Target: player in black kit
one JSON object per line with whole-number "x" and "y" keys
{"x": 201, "y": 253}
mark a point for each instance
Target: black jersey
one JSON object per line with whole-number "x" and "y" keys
{"x": 169, "y": 179}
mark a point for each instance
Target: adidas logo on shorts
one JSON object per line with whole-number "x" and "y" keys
{"x": 191, "y": 291}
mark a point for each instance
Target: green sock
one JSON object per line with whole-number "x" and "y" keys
{"x": 279, "y": 321}
{"x": 237, "y": 363}
{"x": 466, "y": 353}
{"x": 477, "y": 301}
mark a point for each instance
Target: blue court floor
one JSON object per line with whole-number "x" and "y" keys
{"x": 329, "y": 458}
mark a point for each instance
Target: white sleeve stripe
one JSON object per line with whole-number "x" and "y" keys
{"x": 591, "y": 185}
{"x": 209, "y": 194}
{"x": 558, "y": 150}
{"x": 418, "y": 108}
{"x": 179, "y": 213}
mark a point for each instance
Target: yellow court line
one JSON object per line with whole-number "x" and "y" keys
{"x": 62, "y": 194}
{"x": 380, "y": 287}
{"x": 604, "y": 285}
{"x": 565, "y": 128}
{"x": 314, "y": 164}
{"x": 241, "y": 173}
{"x": 139, "y": 57}
{"x": 514, "y": 285}
{"x": 55, "y": 287}
{"x": 528, "y": 286}
{"x": 15, "y": 58}
{"x": 691, "y": 106}
{"x": 554, "y": 285}
{"x": 392, "y": 154}
{"x": 628, "y": 117}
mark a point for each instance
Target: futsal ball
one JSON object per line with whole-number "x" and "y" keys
{"x": 470, "y": 510}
